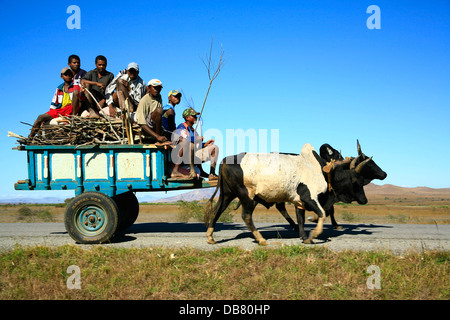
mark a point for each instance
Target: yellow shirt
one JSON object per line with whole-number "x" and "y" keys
{"x": 66, "y": 100}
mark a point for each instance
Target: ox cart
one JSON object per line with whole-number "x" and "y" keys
{"x": 105, "y": 178}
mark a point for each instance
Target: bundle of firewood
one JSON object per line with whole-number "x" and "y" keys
{"x": 75, "y": 130}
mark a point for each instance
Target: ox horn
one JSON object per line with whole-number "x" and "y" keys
{"x": 362, "y": 164}
{"x": 343, "y": 162}
{"x": 358, "y": 146}
{"x": 353, "y": 163}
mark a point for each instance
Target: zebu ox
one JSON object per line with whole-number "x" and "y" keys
{"x": 370, "y": 171}
{"x": 364, "y": 166}
{"x": 303, "y": 180}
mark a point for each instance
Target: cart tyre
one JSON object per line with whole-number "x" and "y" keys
{"x": 128, "y": 206}
{"x": 91, "y": 218}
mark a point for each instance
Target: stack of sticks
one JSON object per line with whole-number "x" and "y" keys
{"x": 75, "y": 130}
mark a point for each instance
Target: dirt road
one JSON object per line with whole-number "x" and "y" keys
{"x": 398, "y": 238}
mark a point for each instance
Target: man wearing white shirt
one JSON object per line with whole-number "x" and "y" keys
{"x": 130, "y": 84}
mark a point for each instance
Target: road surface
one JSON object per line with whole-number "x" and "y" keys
{"x": 397, "y": 238}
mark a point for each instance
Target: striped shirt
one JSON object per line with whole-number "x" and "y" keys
{"x": 59, "y": 95}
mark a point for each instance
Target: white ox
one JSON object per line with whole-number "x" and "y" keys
{"x": 274, "y": 178}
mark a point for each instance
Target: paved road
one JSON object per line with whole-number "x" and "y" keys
{"x": 398, "y": 238}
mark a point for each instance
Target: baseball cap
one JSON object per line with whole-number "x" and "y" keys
{"x": 133, "y": 65}
{"x": 190, "y": 112}
{"x": 155, "y": 83}
{"x": 174, "y": 93}
{"x": 64, "y": 70}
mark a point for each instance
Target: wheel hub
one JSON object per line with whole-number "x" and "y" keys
{"x": 91, "y": 219}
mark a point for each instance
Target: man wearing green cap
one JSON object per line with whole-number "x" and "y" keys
{"x": 208, "y": 150}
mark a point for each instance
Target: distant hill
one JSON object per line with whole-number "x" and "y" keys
{"x": 194, "y": 195}
{"x": 203, "y": 194}
{"x": 371, "y": 189}
{"x": 389, "y": 189}
{"x": 31, "y": 200}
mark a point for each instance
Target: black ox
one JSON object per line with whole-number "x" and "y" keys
{"x": 370, "y": 171}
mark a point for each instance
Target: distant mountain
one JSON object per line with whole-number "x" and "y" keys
{"x": 370, "y": 189}
{"x": 32, "y": 200}
{"x": 204, "y": 194}
{"x": 194, "y": 195}
{"x": 389, "y": 189}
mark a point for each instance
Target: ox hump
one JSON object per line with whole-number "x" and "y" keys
{"x": 275, "y": 177}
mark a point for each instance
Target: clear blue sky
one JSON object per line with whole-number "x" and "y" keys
{"x": 311, "y": 69}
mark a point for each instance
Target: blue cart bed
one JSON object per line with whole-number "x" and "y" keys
{"x": 104, "y": 178}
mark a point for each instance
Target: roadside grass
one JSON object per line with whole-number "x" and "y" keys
{"x": 380, "y": 210}
{"x": 194, "y": 211}
{"x": 287, "y": 273}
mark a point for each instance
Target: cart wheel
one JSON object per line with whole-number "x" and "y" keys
{"x": 91, "y": 218}
{"x": 128, "y": 206}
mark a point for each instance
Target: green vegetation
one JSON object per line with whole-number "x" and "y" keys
{"x": 194, "y": 211}
{"x": 28, "y": 215}
{"x": 289, "y": 272}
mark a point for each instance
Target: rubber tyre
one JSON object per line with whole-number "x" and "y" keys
{"x": 91, "y": 218}
{"x": 128, "y": 206}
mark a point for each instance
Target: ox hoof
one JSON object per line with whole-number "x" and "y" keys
{"x": 211, "y": 241}
{"x": 263, "y": 242}
{"x": 338, "y": 228}
{"x": 308, "y": 241}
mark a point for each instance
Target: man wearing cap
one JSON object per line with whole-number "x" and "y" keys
{"x": 65, "y": 101}
{"x": 208, "y": 151}
{"x": 130, "y": 84}
{"x": 168, "y": 118}
{"x": 149, "y": 113}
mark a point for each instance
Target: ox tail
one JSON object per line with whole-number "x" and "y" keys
{"x": 210, "y": 204}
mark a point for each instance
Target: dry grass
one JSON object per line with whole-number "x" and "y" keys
{"x": 381, "y": 209}
{"x": 288, "y": 273}
{"x": 291, "y": 272}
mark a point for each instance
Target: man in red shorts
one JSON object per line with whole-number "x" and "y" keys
{"x": 66, "y": 101}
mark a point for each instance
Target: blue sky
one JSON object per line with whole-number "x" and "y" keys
{"x": 311, "y": 69}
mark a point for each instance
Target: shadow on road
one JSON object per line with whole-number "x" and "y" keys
{"x": 275, "y": 231}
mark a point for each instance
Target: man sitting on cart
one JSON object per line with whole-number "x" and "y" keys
{"x": 66, "y": 101}
{"x": 130, "y": 84}
{"x": 149, "y": 114}
{"x": 203, "y": 151}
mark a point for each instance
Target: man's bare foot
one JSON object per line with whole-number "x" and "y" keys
{"x": 166, "y": 143}
{"x": 93, "y": 114}
{"x": 178, "y": 175}
{"x": 112, "y": 111}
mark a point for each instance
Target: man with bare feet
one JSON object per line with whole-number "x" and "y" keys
{"x": 96, "y": 81}
{"x": 149, "y": 114}
{"x": 131, "y": 86}
{"x": 203, "y": 151}
{"x": 65, "y": 102}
